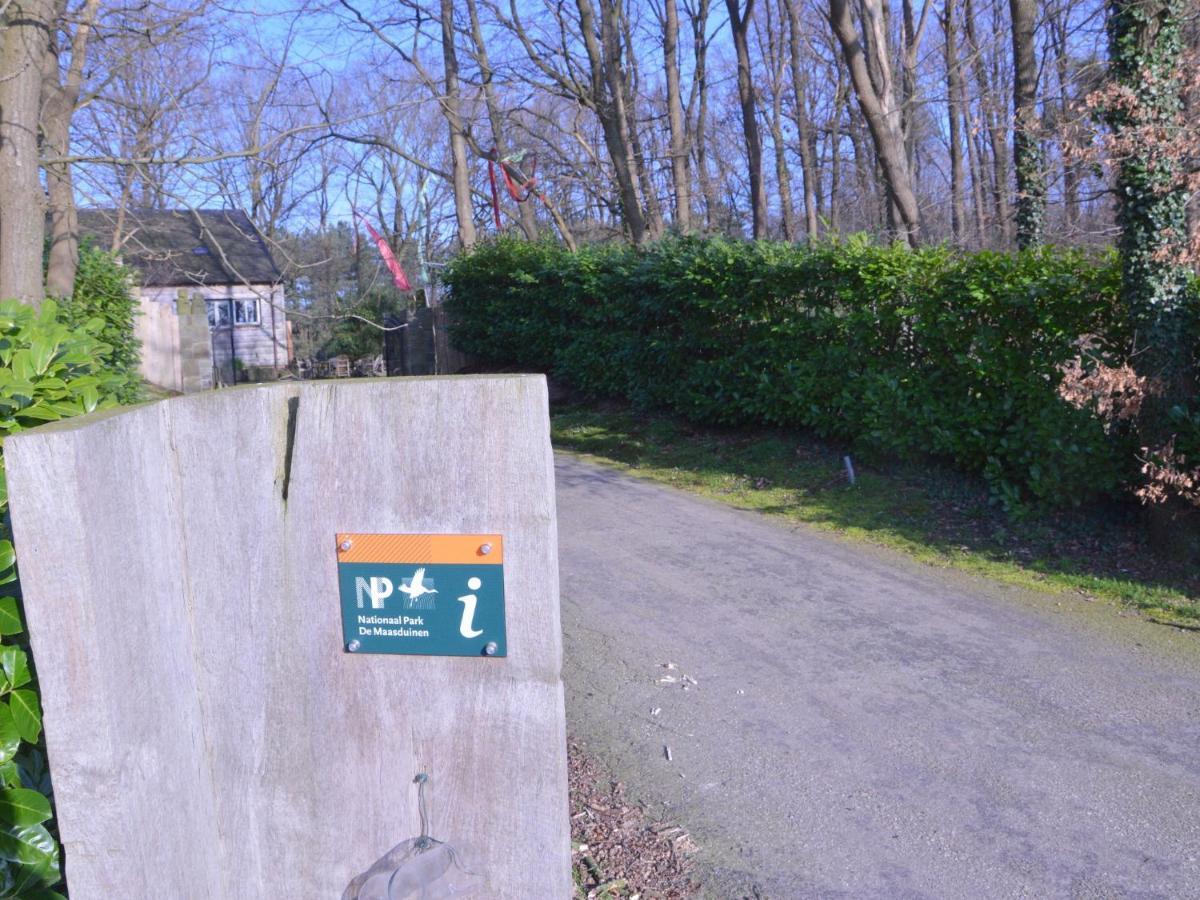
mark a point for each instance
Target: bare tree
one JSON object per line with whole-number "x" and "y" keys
{"x": 954, "y": 116}
{"x": 60, "y": 94}
{"x": 487, "y": 75}
{"x": 640, "y": 114}
{"x": 681, "y": 177}
{"x": 994, "y": 118}
{"x": 601, "y": 88}
{"x": 698, "y": 16}
{"x": 458, "y": 141}
{"x": 872, "y": 81}
{"x": 739, "y": 24}
{"x": 805, "y": 132}
{"x": 771, "y": 43}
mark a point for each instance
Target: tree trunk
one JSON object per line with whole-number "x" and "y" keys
{"x": 976, "y": 168}
{"x": 840, "y": 99}
{"x": 872, "y": 203}
{"x": 680, "y": 176}
{"x": 804, "y": 125}
{"x": 608, "y": 95}
{"x": 654, "y": 217}
{"x": 59, "y": 98}
{"x": 24, "y": 41}
{"x": 1027, "y": 148}
{"x": 954, "y": 94}
{"x": 881, "y": 118}
{"x": 60, "y": 190}
{"x": 783, "y": 180}
{"x": 740, "y": 25}
{"x": 58, "y": 105}
{"x": 700, "y": 51}
{"x": 463, "y": 208}
{"x": 913, "y": 33}
{"x": 1145, "y": 48}
{"x": 772, "y": 41}
{"x": 1072, "y": 174}
{"x": 996, "y": 130}
{"x": 1191, "y": 108}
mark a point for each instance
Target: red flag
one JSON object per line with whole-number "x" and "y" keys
{"x": 389, "y": 258}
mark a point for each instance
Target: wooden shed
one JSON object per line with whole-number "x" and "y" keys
{"x": 214, "y": 256}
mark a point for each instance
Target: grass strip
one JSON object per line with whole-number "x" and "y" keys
{"x": 932, "y": 514}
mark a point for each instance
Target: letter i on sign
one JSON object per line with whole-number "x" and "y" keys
{"x": 467, "y": 626}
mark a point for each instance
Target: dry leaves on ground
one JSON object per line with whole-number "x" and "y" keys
{"x": 618, "y": 850}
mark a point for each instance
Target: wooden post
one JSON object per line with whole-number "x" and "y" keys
{"x": 208, "y": 736}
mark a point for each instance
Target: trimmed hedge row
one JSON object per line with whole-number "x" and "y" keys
{"x": 912, "y": 353}
{"x": 104, "y": 290}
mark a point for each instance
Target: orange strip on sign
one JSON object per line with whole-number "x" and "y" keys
{"x": 451, "y": 549}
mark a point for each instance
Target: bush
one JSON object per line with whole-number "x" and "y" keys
{"x": 355, "y": 336}
{"x": 48, "y": 371}
{"x": 925, "y": 352}
{"x": 104, "y": 290}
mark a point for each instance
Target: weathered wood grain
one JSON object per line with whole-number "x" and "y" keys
{"x": 207, "y": 735}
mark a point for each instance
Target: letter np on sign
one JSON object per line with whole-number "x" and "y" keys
{"x": 426, "y": 594}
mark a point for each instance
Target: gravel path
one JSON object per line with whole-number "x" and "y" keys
{"x": 842, "y": 722}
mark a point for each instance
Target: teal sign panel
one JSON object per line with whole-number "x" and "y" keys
{"x": 426, "y": 609}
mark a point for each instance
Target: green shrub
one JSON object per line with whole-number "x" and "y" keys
{"x": 48, "y": 371}
{"x": 910, "y": 353}
{"x": 104, "y": 290}
{"x": 355, "y": 336}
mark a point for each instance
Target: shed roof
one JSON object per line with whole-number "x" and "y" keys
{"x": 185, "y": 247}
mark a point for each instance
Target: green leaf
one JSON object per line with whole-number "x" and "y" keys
{"x": 41, "y": 412}
{"x": 23, "y": 388}
{"x": 31, "y": 845}
{"x": 26, "y": 715}
{"x": 21, "y": 806}
{"x": 15, "y": 665}
{"x": 43, "y": 893}
{"x": 10, "y": 774}
{"x": 41, "y": 352}
{"x": 10, "y": 738}
{"x": 7, "y": 555}
{"x": 22, "y": 365}
{"x": 67, "y": 409}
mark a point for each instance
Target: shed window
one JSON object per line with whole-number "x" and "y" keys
{"x": 245, "y": 312}
{"x": 223, "y": 313}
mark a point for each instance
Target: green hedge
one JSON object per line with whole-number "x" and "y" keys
{"x": 48, "y": 371}
{"x": 911, "y": 353}
{"x": 104, "y": 290}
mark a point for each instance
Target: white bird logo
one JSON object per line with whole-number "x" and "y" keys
{"x": 415, "y": 589}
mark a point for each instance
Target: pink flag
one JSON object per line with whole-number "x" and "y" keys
{"x": 389, "y": 258}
